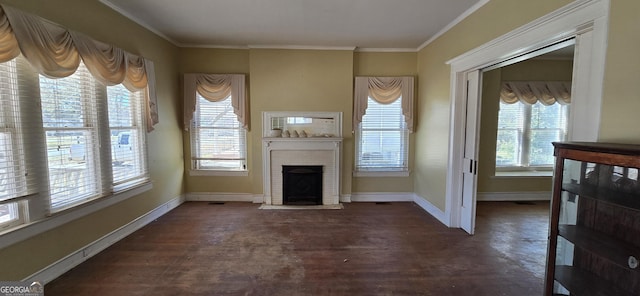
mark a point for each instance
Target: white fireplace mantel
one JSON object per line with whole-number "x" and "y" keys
{"x": 322, "y": 151}
{"x": 321, "y": 147}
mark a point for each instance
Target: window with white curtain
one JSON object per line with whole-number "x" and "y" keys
{"x": 217, "y": 137}
{"x": 525, "y": 133}
{"x": 127, "y": 135}
{"x": 57, "y": 118}
{"x": 382, "y": 138}
{"x": 58, "y": 149}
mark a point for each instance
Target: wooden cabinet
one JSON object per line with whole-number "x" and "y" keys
{"x": 594, "y": 241}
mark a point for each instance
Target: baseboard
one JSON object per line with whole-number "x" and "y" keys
{"x": 224, "y": 196}
{"x": 345, "y": 197}
{"x": 513, "y": 196}
{"x": 65, "y": 264}
{"x": 381, "y": 196}
{"x": 431, "y": 209}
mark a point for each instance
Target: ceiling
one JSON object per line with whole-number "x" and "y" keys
{"x": 364, "y": 24}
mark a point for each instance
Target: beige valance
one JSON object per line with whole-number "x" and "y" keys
{"x": 55, "y": 52}
{"x": 530, "y": 92}
{"x": 384, "y": 90}
{"x": 214, "y": 88}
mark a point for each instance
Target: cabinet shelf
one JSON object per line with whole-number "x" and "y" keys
{"x": 596, "y": 194}
{"x": 618, "y": 198}
{"x": 608, "y": 247}
{"x": 581, "y": 282}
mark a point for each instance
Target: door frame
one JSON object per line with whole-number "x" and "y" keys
{"x": 584, "y": 20}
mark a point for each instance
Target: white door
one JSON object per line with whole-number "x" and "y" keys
{"x": 470, "y": 162}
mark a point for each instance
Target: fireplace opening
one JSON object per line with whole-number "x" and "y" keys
{"x": 302, "y": 185}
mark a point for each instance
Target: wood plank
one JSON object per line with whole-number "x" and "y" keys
{"x": 364, "y": 249}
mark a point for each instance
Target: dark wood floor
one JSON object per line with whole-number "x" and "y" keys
{"x": 365, "y": 249}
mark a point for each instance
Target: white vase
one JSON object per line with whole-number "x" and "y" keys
{"x": 275, "y": 133}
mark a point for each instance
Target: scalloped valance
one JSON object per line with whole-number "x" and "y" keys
{"x": 214, "y": 88}
{"x": 55, "y": 52}
{"x": 384, "y": 90}
{"x": 530, "y": 92}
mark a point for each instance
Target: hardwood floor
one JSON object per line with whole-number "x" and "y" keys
{"x": 365, "y": 249}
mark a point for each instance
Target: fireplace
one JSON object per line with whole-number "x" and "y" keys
{"x": 312, "y": 161}
{"x": 301, "y": 185}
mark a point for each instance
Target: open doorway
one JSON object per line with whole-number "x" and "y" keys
{"x": 525, "y": 106}
{"x": 584, "y": 22}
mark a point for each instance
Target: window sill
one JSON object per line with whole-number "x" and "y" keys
{"x": 25, "y": 231}
{"x": 219, "y": 173}
{"x": 523, "y": 174}
{"x": 381, "y": 173}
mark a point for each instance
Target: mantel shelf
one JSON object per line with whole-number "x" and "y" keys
{"x": 317, "y": 139}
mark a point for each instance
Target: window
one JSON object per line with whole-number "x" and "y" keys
{"x": 382, "y": 138}
{"x": 126, "y": 130}
{"x": 525, "y": 133}
{"x": 55, "y": 122}
{"x": 52, "y": 135}
{"x": 382, "y": 121}
{"x": 69, "y": 117}
{"x": 13, "y": 180}
{"x": 217, "y": 137}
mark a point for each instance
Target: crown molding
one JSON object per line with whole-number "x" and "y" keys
{"x": 138, "y": 21}
{"x": 452, "y": 24}
{"x": 302, "y": 47}
{"x": 370, "y": 49}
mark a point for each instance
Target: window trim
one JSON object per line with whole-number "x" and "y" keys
{"x": 21, "y": 208}
{"x": 382, "y": 173}
{"x": 236, "y": 173}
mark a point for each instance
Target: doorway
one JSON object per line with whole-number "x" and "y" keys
{"x": 525, "y": 106}
{"x": 586, "y": 23}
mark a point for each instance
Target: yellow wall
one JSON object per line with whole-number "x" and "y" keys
{"x": 165, "y": 143}
{"x": 531, "y": 70}
{"x": 494, "y": 19}
{"x": 301, "y": 80}
{"x": 621, "y": 99}
{"x": 296, "y": 80}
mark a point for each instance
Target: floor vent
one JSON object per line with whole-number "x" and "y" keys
{"x": 216, "y": 203}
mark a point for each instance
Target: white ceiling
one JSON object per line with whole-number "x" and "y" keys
{"x": 365, "y": 24}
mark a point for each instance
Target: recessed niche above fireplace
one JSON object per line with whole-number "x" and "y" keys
{"x": 320, "y": 147}
{"x": 302, "y": 124}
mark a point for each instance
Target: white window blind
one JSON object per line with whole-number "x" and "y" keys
{"x": 217, "y": 137}
{"x": 525, "y": 133}
{"x": 382, "y": 138}
{"x": 128, "y": 157}
{"x": 69, "y": 115}
{"x": 14, "y": 182}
